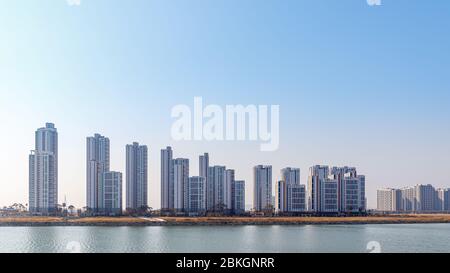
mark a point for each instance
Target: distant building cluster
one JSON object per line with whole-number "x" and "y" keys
{"x": 416, "y": 199}
{"x": 214, "y": 190}
{"x": 336, "y": 189}
{"x": 103, "y": 186}
{"x": 291, "y": 195}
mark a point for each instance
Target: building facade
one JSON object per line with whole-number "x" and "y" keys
{"x": 328, "y": 198}
{"x": 353, "y": 191}
{"x": 296, "y": 195}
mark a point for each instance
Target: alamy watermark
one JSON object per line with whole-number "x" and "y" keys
{"x": 73, "y": 247}
{"x": 231, "y": 123}
{"x": 374, "y": 2}
{"x": 373, "y": 247}
{"x": 73, "y": 2}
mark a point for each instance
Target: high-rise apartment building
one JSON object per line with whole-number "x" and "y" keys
{"x": 291, "y": 195}
{"x": 43, "y": 171}
{"x": 353, "y": 199}
{"x": 409, "y": 201}
{"x": 180, "y": 181}
{"x": 317, "y": 175}
{"x": 281, "y": 196}
{"x": 136, "y": 177}
{"x": 97, "y": 163}
{"x": 112, "y": 193}
{"x": 203, "y": 172}
{"x": 443, "y": 200}
{"x": 228, "y": 189}
{"x": 262, "y": 191}
{"x": 291, "y": 176}
{"x": 196, "y": 195}
{"x": 204, "y": 165}
{"x": 418, "y": 199}
{"x": 216, "y": 189}
{"x": 167, "y": 179}
{"x": 329, "y": 197}
{"x": 351, "y": 189}
{"x": 385, "y": 200}
{"x": 340, "y": 189}
{"x": 296, "y": 196}
{"x": 339, "y": 174}
{"x": 426, "y": 198}
{"x": 238, "y": 196}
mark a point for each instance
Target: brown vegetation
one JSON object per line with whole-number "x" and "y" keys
{"x": 107, "y": 220}
{"x": 416, "y": 218}
{"x": 388, "y": 219}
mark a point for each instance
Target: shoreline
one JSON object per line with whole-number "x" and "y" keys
{"x": 220, "y": 221}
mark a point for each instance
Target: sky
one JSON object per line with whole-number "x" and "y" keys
{"x": 357, "y": 85}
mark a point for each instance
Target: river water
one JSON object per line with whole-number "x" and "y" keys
{"x": 260, "y": 239}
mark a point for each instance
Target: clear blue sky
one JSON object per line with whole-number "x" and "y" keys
{"x": 357, "y": 85}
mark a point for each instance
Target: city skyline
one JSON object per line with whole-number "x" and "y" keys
{"x": 284, "y": 194}
{"x": 357, "y": 85}
{"x": 215, "y": 189}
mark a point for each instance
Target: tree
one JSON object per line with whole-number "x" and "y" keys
{"x": 269, "y": 210}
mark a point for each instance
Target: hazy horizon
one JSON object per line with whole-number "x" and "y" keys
{"x": 358, "y": 85}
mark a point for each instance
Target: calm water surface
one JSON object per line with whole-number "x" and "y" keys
{"x": 308, "y": 238}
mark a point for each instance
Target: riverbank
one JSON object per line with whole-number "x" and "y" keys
{"x": 204, "y": 221}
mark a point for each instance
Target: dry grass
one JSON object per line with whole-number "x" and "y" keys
{"x": 410, "y": 218}
{"x": 107, "y": 220}
{"x": 88, "y": 220}
{"x": 30, "y": 219}
{"x": 422, "y": 218}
